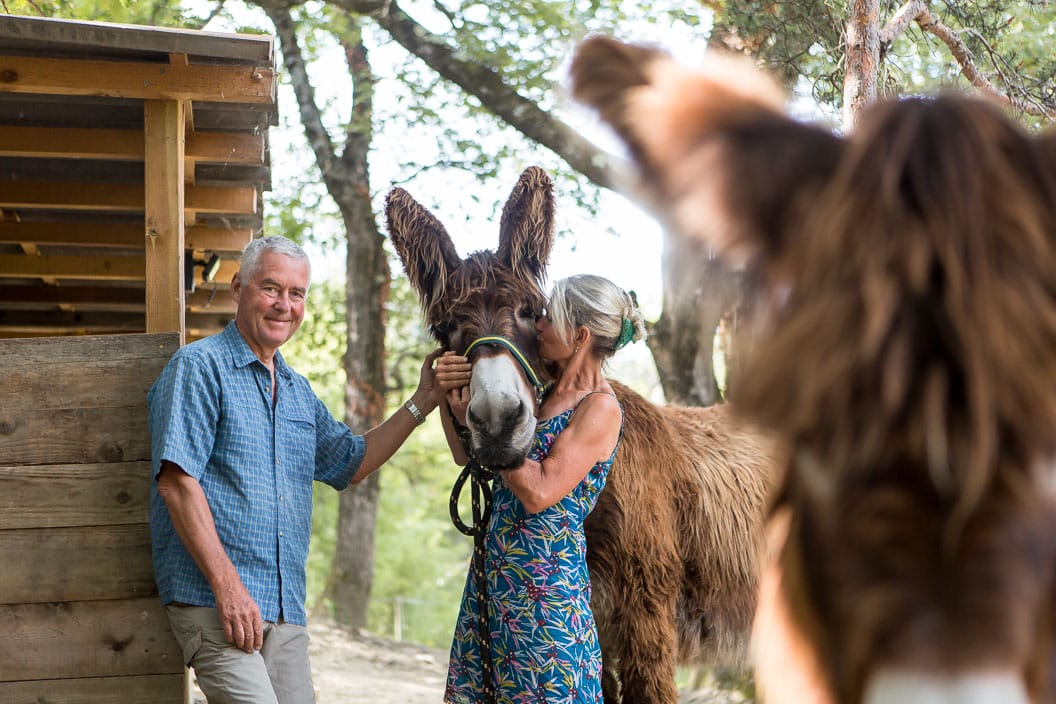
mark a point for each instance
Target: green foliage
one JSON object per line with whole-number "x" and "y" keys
{"x": 422, "y": 559}
{"x": 803, "y": 42}
{"x": 167, "y": 13}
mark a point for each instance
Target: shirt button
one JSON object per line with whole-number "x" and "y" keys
{"x": 280, "y": 533}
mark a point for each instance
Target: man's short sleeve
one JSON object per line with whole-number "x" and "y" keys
{"x": 339, "y": 451}
{"x": 183, "y": 413}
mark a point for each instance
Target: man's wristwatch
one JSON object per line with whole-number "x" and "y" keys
{"x": 419, "y": 417}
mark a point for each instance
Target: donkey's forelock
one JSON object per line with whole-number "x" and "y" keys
{"x": 483, "y": 296}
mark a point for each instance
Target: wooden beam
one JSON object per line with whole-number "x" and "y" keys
{"x": 71, "y": 267}
{"x": 16, "y": 323}
{"x": 199, "y": 237}
{"x": 125, "y": 145}
{"x": 71, "y": 143}
{"x": 215, "y": 239}
{"x": 103, "y": 298}
{"x": 143, "y": 689}
{"x": 225, "y": 147}
{"x": 88, "y": 268}
{"x": 163, "y": 138}
{"x": 79, "y": 35}
{"x": 68, "y": 495}
{"x": 144, "y": 81}
{"x": 122, "y": 197}
{"x": 81, "y": 563}
{"x": 98, "y": 639}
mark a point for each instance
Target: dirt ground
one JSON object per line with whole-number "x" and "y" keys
{"x": 365, "y": 669}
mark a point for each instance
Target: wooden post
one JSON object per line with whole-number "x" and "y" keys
{"x": 164, "y": 142}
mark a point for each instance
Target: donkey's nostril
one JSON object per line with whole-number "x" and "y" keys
{"x": 474, "y": 418}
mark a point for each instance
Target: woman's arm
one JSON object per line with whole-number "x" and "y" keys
{"x": 589, "y": 438}
{"x": 454, "y": 442}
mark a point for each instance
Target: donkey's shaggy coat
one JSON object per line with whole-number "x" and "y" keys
{"x": 910, "y": 363}
{"x": 674, "y": 541}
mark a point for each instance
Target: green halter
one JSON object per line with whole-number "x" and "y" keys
{"x": 539, "y": 385}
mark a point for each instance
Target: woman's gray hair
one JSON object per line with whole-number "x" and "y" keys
{"x": 276, "y": 244}
{"x": 610, "y": 313}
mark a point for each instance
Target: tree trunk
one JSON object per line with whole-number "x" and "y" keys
{"x": 347, "y": 180}
{"x": 863, "y": 60}
{"x": 366, "y": 293}
{"x": 698, "y": 291}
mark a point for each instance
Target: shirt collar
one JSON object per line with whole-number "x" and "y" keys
{"x": 242, "y": 356}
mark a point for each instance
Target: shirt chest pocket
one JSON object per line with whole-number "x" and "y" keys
{"x": 295, "y": 442}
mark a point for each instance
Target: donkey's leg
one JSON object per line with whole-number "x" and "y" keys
{"x": 648, "y": 652}
{"x": 610, "y": 685}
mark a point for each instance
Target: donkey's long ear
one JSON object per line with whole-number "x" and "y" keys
{"x": 526, "y": 231}
{"x": 425, "y": 248}
{"x": 717, "y": 157}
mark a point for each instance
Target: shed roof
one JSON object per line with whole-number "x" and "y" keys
{"x": 78, "y": 166}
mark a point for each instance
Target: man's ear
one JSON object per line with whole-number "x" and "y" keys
{"x": 236, "y": 286}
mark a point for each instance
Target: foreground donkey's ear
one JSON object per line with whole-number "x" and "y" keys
{"x": 526, "y": 231}
{"x": 424, "y": 247}
{"x": 717, "y": 158}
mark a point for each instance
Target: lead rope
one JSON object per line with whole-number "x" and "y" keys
{"x": 481, "y": 502}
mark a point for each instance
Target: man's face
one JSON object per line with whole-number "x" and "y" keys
{"x": 270, "y": 302}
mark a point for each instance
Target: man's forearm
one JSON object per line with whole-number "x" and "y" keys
{"x": 193, "y": 522}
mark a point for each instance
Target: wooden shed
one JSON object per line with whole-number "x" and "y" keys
{"x": 132, "y": 166}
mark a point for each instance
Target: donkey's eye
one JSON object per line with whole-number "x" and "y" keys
{"x": 528, "y": 312}
{"x": 443, "y": 330}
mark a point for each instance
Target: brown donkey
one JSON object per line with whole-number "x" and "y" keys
{"x": 674, "y": 542}
{"x": 909, "y": 362}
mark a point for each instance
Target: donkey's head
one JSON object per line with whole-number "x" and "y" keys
{"x": 489, "y": 293}
{"x": 912, "y": 265}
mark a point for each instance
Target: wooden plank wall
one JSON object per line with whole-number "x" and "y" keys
{"x": 80, "y": 619}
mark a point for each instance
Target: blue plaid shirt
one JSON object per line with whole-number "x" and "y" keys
{"x": 211, "y": 414}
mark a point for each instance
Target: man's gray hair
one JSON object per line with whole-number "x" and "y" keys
{"x": 276, "y": 244}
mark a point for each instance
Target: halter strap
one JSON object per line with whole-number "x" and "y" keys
{"x": 540, "y": 386}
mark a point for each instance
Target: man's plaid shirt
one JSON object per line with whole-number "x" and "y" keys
{"x": 211, "y": 414}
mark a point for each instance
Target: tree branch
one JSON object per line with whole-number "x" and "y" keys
{"x": 917, "y": 11}
{"x": 963, "y": 56}
{"x": 901, "y": 20}
{"x": 487, "y": 85}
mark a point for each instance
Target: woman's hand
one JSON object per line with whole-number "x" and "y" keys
{"x": 453, "y": 373}
{"x": 458, "y": 402}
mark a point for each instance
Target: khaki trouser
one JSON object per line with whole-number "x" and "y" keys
{"x": 278, "y": 674}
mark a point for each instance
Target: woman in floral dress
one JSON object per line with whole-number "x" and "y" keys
{"x": 544, "y": 643}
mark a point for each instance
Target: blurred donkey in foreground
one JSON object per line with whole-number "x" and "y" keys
{"x": 909, "y": 360}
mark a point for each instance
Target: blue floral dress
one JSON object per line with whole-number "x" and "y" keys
{"x": 544, "y": 644}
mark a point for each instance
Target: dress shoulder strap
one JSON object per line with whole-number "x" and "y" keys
{"x": 603, "y": 393}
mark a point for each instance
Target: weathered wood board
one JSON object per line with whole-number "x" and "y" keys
{"x": 86, "y": 639}
{"x": 145, "y": 689}
{"x": 80, "y": 620}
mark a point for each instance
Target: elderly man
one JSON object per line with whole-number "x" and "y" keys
{"x": 238, "y": 438}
